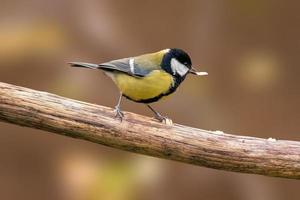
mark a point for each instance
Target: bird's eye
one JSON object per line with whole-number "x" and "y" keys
{"x": 186, "y": 64}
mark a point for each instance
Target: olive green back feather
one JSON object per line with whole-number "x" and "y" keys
{"x": 150, "y": 61}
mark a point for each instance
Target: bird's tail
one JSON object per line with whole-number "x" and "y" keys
{"x": 85, "y": 65}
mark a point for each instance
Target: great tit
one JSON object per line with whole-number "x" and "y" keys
{"x": 147, "y": 78}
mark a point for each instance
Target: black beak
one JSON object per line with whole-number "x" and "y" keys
{"x": 194, "y": 72}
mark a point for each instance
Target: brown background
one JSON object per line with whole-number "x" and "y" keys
{"x": 250, "y": 49}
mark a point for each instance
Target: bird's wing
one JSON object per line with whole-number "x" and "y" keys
{"x": 138, "y": 66}
{"x": 125, "y": 65}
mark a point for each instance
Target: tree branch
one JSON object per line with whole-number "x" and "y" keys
{"x": 144, "y": 135}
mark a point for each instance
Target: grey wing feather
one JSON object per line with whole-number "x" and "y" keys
{"x": 123, "y": 65}
{"x": 83, "y": 64}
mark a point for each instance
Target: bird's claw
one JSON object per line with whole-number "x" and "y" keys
{"x": 119, "y": 113}
{"x": 167, "y": 121}
{"x": 164, "y": 119}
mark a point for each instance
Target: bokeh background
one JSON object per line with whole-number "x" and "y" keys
{"x": 250, "y": 49}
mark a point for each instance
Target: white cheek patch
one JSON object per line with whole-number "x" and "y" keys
{"x": 178, "y": 68}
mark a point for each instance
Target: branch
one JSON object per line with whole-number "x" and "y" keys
{"x": 144, "y": 135}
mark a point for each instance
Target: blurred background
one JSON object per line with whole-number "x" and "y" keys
{"x": 249, "y": 48}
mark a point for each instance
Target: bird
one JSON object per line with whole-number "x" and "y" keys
{"x": 147, "y": 78}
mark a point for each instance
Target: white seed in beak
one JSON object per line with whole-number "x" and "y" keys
{"x": 201, "y": 73}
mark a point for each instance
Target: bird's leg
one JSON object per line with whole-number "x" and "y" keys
{"x": 119, "y": 113}
{"x": 157, "y": 114}
{"x": 159, "y": 117}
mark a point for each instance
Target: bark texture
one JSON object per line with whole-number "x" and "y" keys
{"x": 140, "y": 134}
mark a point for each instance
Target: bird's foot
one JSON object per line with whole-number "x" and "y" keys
{"x": 163, "y": 119}
{"x": 119, "y": 113}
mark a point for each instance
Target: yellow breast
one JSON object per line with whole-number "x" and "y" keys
{"x": 154, "y": 84}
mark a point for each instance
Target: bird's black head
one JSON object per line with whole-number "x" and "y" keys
{"x": 177, "y": 63}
